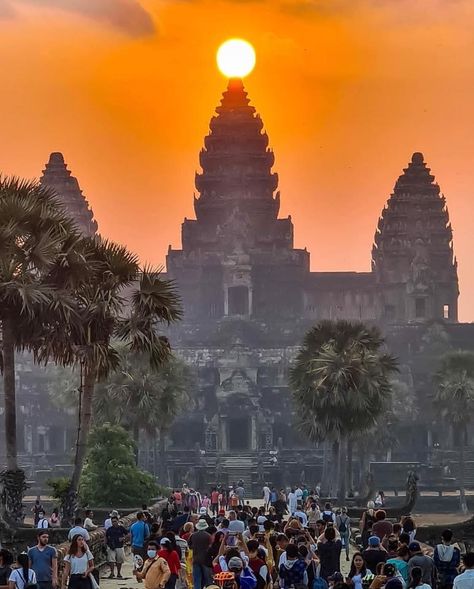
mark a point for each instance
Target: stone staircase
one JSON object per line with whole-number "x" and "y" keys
{"x": 239, "y": 468}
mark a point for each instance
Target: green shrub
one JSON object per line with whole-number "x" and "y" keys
{"x": 110, "y": 476}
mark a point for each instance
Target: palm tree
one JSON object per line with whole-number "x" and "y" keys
{"x": 454, "y": 397}
{"x": 140, "y": 399}
{"x": 118, "y": 302}
{"x": 39, "y": 261}
{"x": 341, "y": 384}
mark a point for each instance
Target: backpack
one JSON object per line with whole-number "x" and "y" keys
{"x": 320, "y": 583}
{"x": 327, "y": 516}
{"x": 342, "y": 526}
{"x": 247, "y": 579}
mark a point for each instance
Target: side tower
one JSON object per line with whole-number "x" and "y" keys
{"x": 59, "y": 178}
{"x": 412, "y": 257}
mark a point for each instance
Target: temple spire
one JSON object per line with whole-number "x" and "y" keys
{"x": 57, "y": 177}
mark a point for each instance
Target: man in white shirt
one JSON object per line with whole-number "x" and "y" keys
{"x": 301, "y": 515}
{"x": 88, "y": 523}
{"x": 78, "y": 529}
{"x": 466, "y": 579}
{"x": 299, "y": 495}
{"x": 292, "y": 501}
{"x": 266, "y": 496}
{"x": 236, "y": 526}
{"x": 42, "y": 521}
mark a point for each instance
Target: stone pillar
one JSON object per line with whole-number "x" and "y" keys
{"x": 226, "y": 301}
{"x": 253, "y": 433}
{"x": 223, "y": 438}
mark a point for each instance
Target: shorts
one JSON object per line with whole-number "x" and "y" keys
{"x": 115, "y": 555}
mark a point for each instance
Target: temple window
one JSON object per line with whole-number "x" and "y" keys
{"x": 446, "y": 311}
{"x": 238, "y": 300}
{"x": 420, "y": 308}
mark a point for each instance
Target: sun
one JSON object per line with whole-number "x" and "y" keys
{"x": 236, "y": 58}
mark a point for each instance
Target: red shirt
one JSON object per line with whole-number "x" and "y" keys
{"x": 172, "y": 559}
{"x": 214, "y": 497}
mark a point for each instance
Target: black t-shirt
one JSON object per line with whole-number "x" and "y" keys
{"x": 199, "y": 543}
{"x": 115, "y": 536}
{"x": 373, "y": 557}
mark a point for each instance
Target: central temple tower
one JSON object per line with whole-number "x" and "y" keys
{"x": 238, "y": 257}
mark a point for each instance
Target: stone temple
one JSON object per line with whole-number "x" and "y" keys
{"x": 249, "y": 296}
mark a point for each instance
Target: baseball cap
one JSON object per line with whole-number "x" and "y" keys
{"x": 203, "y": 511}
{"x": 414, "y": 547}
{"x": 165, "y": 541}
{"x": 235, "y": 563}
{"x": 374, "y": 541}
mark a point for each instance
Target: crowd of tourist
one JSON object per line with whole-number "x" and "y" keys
{"x": 291, "y": 541}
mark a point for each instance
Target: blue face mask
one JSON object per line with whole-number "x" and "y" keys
{"x": 151, "y": 553}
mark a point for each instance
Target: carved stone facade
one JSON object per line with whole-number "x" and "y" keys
{"x": 249, "y": 296}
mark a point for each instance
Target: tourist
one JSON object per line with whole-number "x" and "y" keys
{"x": 281, "y": 545}
{"x": 266, "y": 495}
{"x": 423, "y": 561}
{"x": 409, "y": 527}
{"x": 43, "y": 522}
{"x": 214, "y": 501}
{"x": 381, "y": 527}
{"x": 108, "y": 521}
{"x": 257, "y": 564}
{"x": 37, "y": 509}
{"x": 379, "y": 500}
{"x": 447, "y": 558}
{"x": 88, "y": 523}
{"x": 54, "y": 519}
{"x": 357, "y": 571}
{"x": 343, "y": 525}
{"x": 328, "y": 514}
{"x": 393, "y": 579}
{"x": 199, "y": 543}
{"x": 314, "y": 515}
{"x": 44, "y": 562}
{"x": 78, "y": 565}
{"x": 273, "y": 496}
{"x": 301, "y": 515}
{"x": 466, "y": 579}
{"x": 22, "y": 576}
{"x": 400, "y": 562}
{"x": 240, "y": 492}
{"x": 299, "y": 494}
{"x": 6, "y": 561}
{"x": 156, "y": 571}
{"x": 329, "y": 553}
{"x": 236, "y": 526}
{"x": 374, "y": 554}
{"x": 292, "y": 501}
{"x": 292, "y": 572}
{"x": 169, "y": 553}
{"x": 366, "y": 523}
{"x": 115, "y": 537}
{"x": 139, "y": 530}
{"x": 78, "y": 530}
{"x": 188, "y": 531}
{"x": 416, "y": 579}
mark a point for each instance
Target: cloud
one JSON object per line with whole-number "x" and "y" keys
{"x": 128, "y": 16}
{"x": 6, "y": 9}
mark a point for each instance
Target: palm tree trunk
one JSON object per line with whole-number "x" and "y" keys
{"x": 162, "y": 477}
{"x": 8, "y": 350}
{"x": 462, "y": 490}
{"x": 350, "y": 468}
{"x": 85, "y": 418}
{"x": 334, "y": 473}
{"x": 341, "y": 470}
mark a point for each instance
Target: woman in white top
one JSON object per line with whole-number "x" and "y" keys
{"x": 78, "y": 565}
{"x": 23, "y": 575}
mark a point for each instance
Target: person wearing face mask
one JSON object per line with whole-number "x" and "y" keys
{"x": 156, "y": 571}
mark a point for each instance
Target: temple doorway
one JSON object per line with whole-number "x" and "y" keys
{"x": 239, "y": 433}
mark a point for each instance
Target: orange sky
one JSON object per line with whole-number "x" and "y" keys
{"x": 347, "y": 89}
